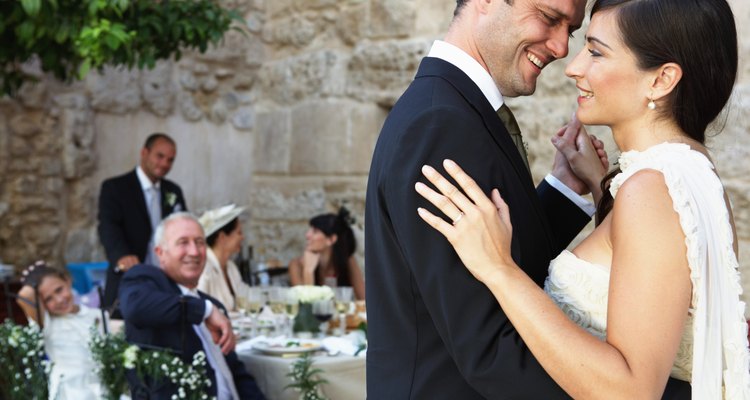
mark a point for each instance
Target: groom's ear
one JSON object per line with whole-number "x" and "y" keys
{"x": 665, "y": 79}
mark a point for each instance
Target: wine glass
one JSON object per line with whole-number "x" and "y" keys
{"x": 323, "y": 311}
{"x": 291, "y": 309}
{"x": 252, "y": 302}
{"x": 344, "y": 297}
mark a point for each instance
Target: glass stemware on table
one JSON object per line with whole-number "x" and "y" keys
{"x": 344, "y": 296}
{"x": 323, "y": 311}
{"x": 250, "y": 305}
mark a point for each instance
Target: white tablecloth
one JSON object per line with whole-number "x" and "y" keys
{"x": 345, "y": 375}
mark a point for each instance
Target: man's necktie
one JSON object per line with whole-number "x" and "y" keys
{"x": 154, "y": 214}
{"x": 515, "y": 132}
{"x": 154, "y": 207}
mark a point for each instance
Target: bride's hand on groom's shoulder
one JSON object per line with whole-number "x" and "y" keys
{"x": 480, "y": 230}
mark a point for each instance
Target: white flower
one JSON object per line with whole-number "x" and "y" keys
{"x": 171, "y": 198}
{"x": 310, "y": 294}
{"x": 129, "y": 356}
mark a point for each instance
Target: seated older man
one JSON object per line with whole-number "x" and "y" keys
{"x": 161, "y": 307}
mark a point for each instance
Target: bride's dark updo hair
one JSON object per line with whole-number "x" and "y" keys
{"x": 340, "y": 225}
{"x": 698, "y": 35}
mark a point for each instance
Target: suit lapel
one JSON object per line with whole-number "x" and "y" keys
{"x": 137, "y": 199}
{"x": 436, "y": 67}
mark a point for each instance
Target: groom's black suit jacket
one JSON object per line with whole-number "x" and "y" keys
{"x": 124, "y": 224}
{"x": 434, "y": 331}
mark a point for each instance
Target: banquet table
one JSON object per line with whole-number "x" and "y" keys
{"x": 345, "y": 374}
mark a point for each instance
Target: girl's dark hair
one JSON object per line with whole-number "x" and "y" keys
{"x": 227, "y": 229}
{"x": 35, "y": 273}
{"x": 339, "y": 225}
{"x": 698, "y": 35}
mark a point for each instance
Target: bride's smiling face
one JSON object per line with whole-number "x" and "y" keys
{"x": 612, "y": 89}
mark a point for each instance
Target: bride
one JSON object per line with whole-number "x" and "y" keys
{"x": 654, "y": 290}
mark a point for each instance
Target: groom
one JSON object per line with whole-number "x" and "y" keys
{"x": 434, "y": 332}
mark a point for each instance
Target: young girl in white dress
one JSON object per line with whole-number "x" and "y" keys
{"x": 654, "y": 290}
{"x": 67, "y": 331}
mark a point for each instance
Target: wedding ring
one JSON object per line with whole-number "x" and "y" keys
{"x": 455, "y": 221}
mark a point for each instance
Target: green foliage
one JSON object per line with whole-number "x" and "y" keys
{"x": 70, "y": 37}
{"x": 305, "y": 378}
{"x": 24, "y": 370}
{"x": 108, "y": 353}
{"x": 114, "y": 356}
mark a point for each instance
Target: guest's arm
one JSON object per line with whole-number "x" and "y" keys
{"x": 27, "y": 301}
{"x": 356, "y": 279}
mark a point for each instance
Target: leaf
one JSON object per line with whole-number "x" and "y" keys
{"x": 31, "y": 7}
{"x": 84, "y": 68}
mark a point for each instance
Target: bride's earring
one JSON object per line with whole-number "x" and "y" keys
{"x": 651, "y": 105}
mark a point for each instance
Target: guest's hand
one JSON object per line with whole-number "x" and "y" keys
{"x": 126, "y": 262}
{"x": 481, "y": 230}
{"x": 580, "y": 161}
{"x": 221, "y": 330}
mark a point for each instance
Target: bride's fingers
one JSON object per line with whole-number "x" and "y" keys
{"x": 448, "y": 190}
{"x": 436, "y": 222}
{"x": 468, "y": 185}
{"x": 443, "y": 203}
{"x": 501, "y": 205}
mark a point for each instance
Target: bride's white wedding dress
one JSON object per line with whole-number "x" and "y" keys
{"x": 713, "y": 354}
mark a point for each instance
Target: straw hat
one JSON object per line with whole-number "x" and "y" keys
{"x": 213, "y": 220}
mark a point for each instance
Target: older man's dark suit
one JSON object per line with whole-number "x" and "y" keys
{"x": 157, "y": 314}
{"x": 124, "y": 223}
{"x": 435, "y": 332}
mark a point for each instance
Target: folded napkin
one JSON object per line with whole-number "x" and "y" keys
{"x": 353, "y": 343}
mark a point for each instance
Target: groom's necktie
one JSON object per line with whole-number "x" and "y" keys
{"x": 515, "y": 132}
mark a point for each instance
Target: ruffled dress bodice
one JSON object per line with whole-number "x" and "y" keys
{"x": 66, "y": 341}
{"x": 713, "y": 354}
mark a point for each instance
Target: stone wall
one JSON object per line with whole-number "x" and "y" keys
{"x": 282, "y": 118}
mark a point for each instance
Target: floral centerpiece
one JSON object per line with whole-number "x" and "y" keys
{"x": 25, "y": 370}
{"x": 306, "y": 295}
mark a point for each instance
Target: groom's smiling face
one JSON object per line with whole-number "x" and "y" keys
{"x": 516, "y": 41}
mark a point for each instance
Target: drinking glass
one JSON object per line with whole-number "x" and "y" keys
{"x": 344, "y": 297}
{"x": 252, "y": 302}
{"x": 323, "y": 311}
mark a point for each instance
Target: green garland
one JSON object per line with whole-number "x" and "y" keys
{"x": 306, "y": 379}
{"x": 25, "y": 371}
{"x": 114, "y": 356}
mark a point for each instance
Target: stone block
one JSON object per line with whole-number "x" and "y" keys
{"x": 294, "y": 30}
{"x": 190, "y": 111}
{"x": 272, "y": 142}
{"x": 115, "y": 91}
{"x": 321, "y": 137}
{"x": 20, "y": 147}
{"x": 381, "y": 72}
{"x": 157, "y": 89}
{"x": 43, "y": 235}
{"x": 392, "y": 18}
{"x": 353, "y": 22}
{"x": 33, "y": 94}
{"x": 26, "y": 185}
{"x": 296, "y": 78}
{"x": 26, "y": 124}
{"x": 272, "y": 201}
{"x": 243, "y": 119}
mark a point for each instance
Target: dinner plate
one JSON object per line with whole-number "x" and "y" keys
{"x": 289, "y": 346}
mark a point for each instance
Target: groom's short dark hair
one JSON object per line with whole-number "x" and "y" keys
{"x": 461, "y": 3}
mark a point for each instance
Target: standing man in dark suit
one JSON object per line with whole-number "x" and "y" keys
{"x": 130, "y": 208}
{"x": 162, "y": 307}
{"x": 434, "y": 332}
